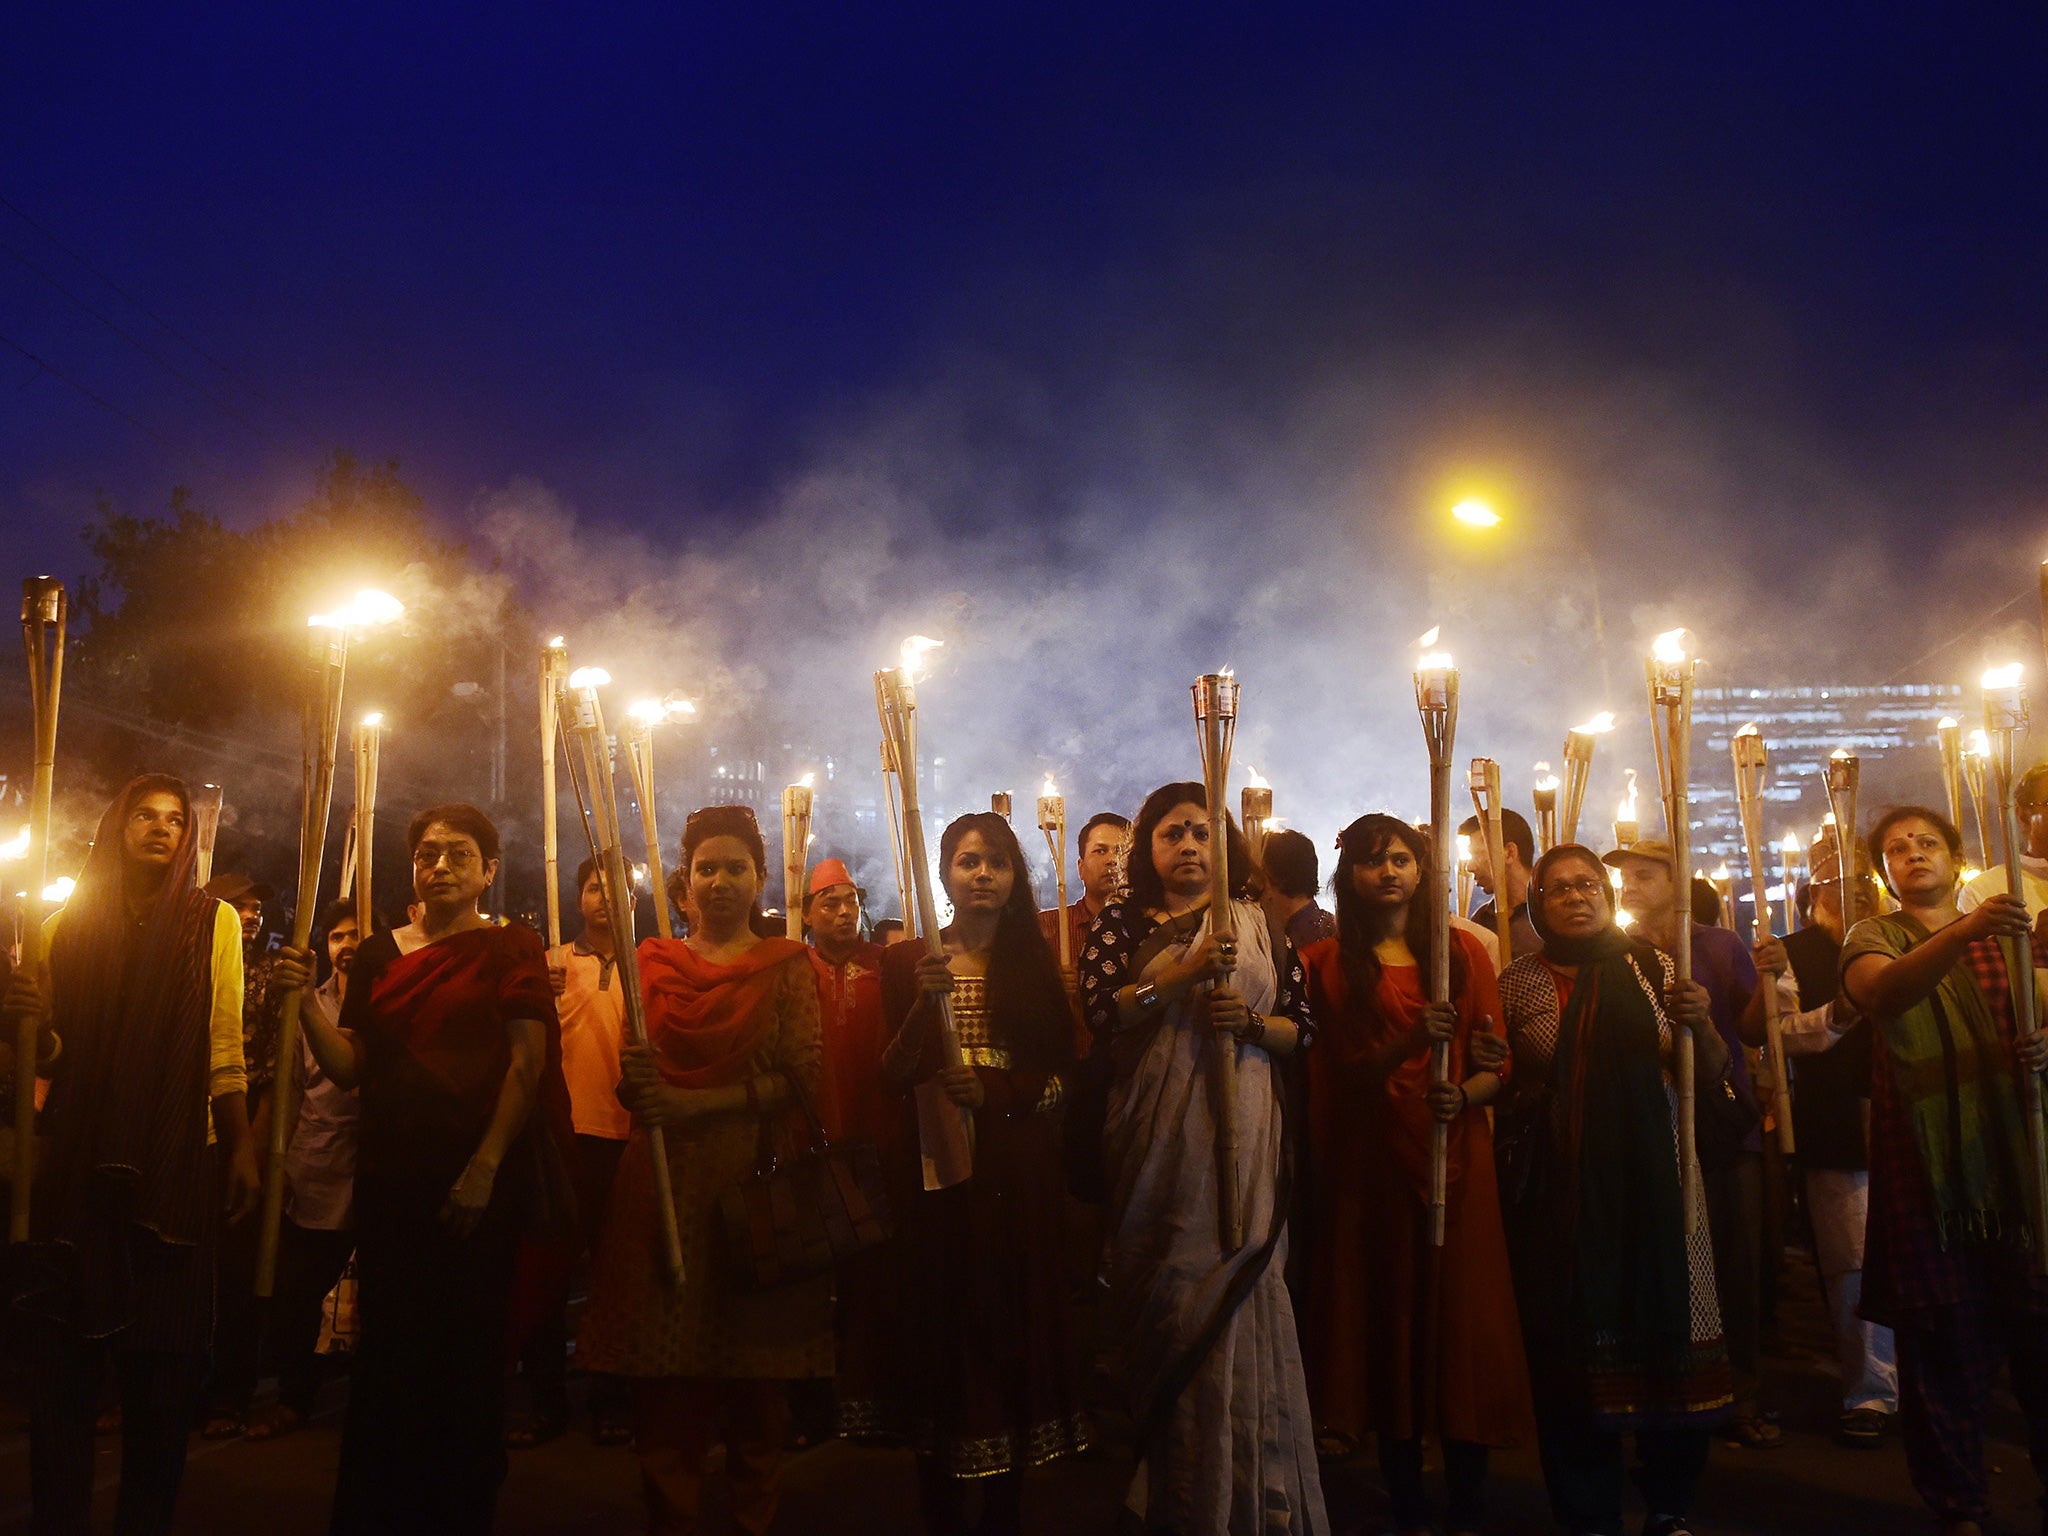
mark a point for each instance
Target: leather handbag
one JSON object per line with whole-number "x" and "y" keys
{"x": 801, "y": 1215}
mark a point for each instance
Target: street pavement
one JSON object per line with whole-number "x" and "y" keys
{"x": 572, "y": 1488}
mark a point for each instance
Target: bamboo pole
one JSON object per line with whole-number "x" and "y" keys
{"x": 1579, "y": 742}
{"x": 1436, "y": 700}
{"x": 1975, "y": 757}
{"x": 1052, "y": 821}
{"x": 1545, "y": 803}
{"x": 1751, "y": 757}
{"x": 1002, "y": 803}
{"x": 892, "y": 794}
{"x": 554, "y": 673}
{"x": 637, "y": 737}
{"x": 1254, "y": 811}
{"x": 206, "y": 806}
{"x": 321, "y": 744}
{"x": 2005, "y": 720}
{"x": 45, "y": 612}
{"x": 583, "y": 720}
{"x": 1215, "y": 696}
{"x": 1669, "y": 675}
{"x": 797, "y": 801}
{"x": 369, "y": 740}
{"x": 1949, "y": 736}
{"x": 1484, "y": 779}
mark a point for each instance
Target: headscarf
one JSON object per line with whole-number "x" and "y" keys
{"x": 131, "y": 1001}
{"x": 1631, "y": 1299}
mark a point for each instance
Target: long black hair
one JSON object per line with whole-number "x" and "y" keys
{"x": 1027, "y": 1000}
{"x": 1366, "y": 838}
{"x": 1147, "y": 889}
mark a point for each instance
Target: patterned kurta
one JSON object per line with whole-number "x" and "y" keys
{"x": 636, "y": 1324}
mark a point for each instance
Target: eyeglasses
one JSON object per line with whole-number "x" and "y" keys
{"x": 1588, "y": 888}
{"x": 427, "y": 855}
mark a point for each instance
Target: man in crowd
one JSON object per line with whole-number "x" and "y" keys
{"x": 238, "y": 1341}
{"x": 318, "y": 1233}
{"x": 591, "y": 1005}
{"x": 1729, "y": 1138}
{"x": 2030, "y": 801}
{"x": 1518, "y": 854}
{"x": 855, "y": 1105}
{"x": 1099, "y": 860}
{"x": 1830, "y": 1043}
{"x": 1289, "y": 894}
{"x": 1953, "y": 1238}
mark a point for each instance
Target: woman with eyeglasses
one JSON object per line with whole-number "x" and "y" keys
{"x": 732, "y": 1032}
{"x": 448, "y": 1031}
{"x": 1209, "y": 1358}
{"x": 1619, "y": 1312}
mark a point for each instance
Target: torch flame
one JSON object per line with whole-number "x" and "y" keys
{"x": 1946, "y": 723}
{"x": 676, "y": 704}
{"x": 1429, "y": 636}
{"x": 913, "y": 652}
{"x": 1669, "y": 647}
{"x": 1546, "y": 781}
{"x": 60, "y": 889}
{"x": 1628, "y": 805}
{"x": 1464, "y": 848}
{"x": 1254, "y": 779}
{"x": 374, "y": 718}
{"x": 366, "y": 608}
{"x": 1722, "y": 875}
{"x": 589, "y": 677}
{"x": 1840, "y": 754}
{"x": 2007, "y": 676}
{"x": 1791, "y": 843}
{"x": 16, "y": 846}
{"x": 557, "y": 643}
{"x": 1599, "y": 725}
{"x": 648, "y": 711}
{"x": 1979, "y": 744}
{"x": 808, "y": 781}
{"x": 1048, "y": 790}
{"x": 1751, "y": 729}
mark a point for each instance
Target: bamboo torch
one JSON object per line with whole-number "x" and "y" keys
{"x": 554, "y": 672}
{"x": 1255, "y": 812}
{"x": 1669, "y": 672}
{"x": 1002, "y": 803}
{"x": 1976, "y": 758}
{"x": 1949, "y": 734}
{"x": 637, "y": 737}
{"x": 1723, "y": 881}
{"x": 892, "y": 794}
{"x": 327, "y": 665}
{"x": 797, "y": 800}
{"x": 1627, "y": 829}
{"x": 1844, "y": 776}
{"x": 1751, "y": 757}
{"x": 369, "y": 740}
{"x": 1579, "y": 742}
{"x": 2005, "y": 720}
{"x": 45, "y": 611}
{"x": 1215, "y": 696}
{"x": 1789, "y": 855}
{"x": 584, "y": 723}
{"x": 206, "y": 806}
{"x": 1052, "y": 821}
{"x": 1461, "y": 900}
{"x": 1545, "y": 794}
{"x": 945, "y": 1129}
{"x": 1485, "y": 782}
{"x": 1436, "y": 700}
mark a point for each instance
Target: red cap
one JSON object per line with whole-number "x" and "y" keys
{"x": 830, "y": 872}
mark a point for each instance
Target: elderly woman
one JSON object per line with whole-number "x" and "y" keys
{"x": 1618, "y": 1304}
{"x": 989, "y": 1380}
{"x": 448, "y": 1031}
{"x": 732, "y": 1023}
{"x": 1210, "y": 1361}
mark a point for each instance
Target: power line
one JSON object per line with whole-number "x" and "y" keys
{"x": 243, "y": 384}
{"x": 165, "y": 363}
{"x": 97, "y": 399}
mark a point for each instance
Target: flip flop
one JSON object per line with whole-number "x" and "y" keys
{"x": 276, "y": 1424}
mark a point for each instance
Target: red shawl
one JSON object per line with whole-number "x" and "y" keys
{"x": 704, "y": 1021}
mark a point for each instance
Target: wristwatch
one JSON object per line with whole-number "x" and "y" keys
{"x": 1255, "y": 1032}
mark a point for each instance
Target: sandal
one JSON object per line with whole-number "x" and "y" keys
{"x": 611, "y": 1432}
{"x": 1754, "y": 1434}
{"x": 1335, "y": 1445}
{"x": 275, "y": 1424}
{"x": 224, "y": 1426}
{"x": 524, "y": 1431}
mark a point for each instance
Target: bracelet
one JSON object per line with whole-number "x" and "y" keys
{"x": 1146, "y": 996}
{"x": 1255, "y": 1032}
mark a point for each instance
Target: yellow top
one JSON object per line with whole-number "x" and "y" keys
{"x": 226, "y": 1070}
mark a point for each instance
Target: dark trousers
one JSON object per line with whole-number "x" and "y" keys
{"x": 159, "y": 1396}
{"x": 309, "y": 1261}
{"x": 1948, "y": 1363}
{"x": 1464, "y": 1482}
{"x": 238, "y": 1323}
{"x": 544, "y": 1354}
{"x": 1735, "y": 1219}
{"x": 1585, "y": 1470}
{"x": 422, "y": 1450}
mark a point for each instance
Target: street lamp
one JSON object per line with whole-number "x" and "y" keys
{"x": 1475, "y": 513}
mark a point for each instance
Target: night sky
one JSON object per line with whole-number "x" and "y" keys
{"x": 1748, "y": 299}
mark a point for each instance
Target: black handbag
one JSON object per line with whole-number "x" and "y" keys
{"x": 801, "y": 1215}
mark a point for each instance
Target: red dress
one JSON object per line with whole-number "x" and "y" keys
{"x": 1384, "y": 1358}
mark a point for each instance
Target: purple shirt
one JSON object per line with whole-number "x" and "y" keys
{"x": 1721, "y": 963}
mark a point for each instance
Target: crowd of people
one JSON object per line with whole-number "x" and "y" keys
{"x": 1203, "y": 1187}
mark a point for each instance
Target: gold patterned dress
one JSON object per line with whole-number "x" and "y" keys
{"x": 989, "y": 1378}
{"x": 705, "y": 1021}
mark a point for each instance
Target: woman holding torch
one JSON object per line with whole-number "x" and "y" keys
{"x": 1406, "y": 1338}
{"x": 989, "y": 1379}
{"x": 732, "y": 1022}
{"x": 1210, "y": 1360}
{"x": 1952, "y": 1255}
{"x": 1618, "y": 1305}
{"x": 448, "y": 1031}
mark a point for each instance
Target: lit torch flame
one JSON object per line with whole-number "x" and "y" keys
{"x": 60, "y": 889}
{"x": 2002, "y": 679}
{"x": 1627, "y": 809}
{"x": 1254, "y": 779}
{"x": 1750, "y": 729}
{"x": 1946, "y": 723}
{"x": 1791, "y": 843}
{"x": 1669, "y": 647}
{"x": 557, "y": 643}
{"x": 16, "y": 846}
{"x": 374, "y": 718}
{"x": 1979, "y": 744}
{"x": 808, "y": 781}
{"x": 1048, "y": 790}
{"x": 913, "y": 652}
{"x": 1599, "y": 725}
{"x": 647, "y": 711}
{"x": 589, "y": 677}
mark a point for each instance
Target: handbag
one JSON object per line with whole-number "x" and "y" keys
{"x": 801, "y": 1215}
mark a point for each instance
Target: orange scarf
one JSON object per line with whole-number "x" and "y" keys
{"x": 706, "y": 1021}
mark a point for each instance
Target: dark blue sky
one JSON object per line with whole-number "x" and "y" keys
{"x": 659, "y": 259}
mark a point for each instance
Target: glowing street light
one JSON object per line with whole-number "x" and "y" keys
{"x": 1474, "y": 513}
